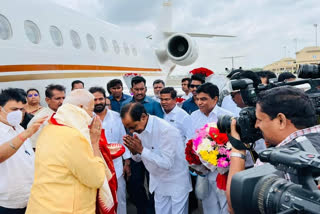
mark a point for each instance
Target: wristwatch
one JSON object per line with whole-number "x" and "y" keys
{"x": 239, "y": 155}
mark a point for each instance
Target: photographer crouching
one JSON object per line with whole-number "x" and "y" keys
{"x": 282, "y": 114}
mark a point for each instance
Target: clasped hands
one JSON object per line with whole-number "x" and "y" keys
{"x": 133, "y": 143}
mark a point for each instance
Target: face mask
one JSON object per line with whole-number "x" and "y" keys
{"x": 14, "y": 118}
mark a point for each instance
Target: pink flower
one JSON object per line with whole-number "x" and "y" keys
{"x": 197, "y": 142}
{"x": 228, "y": 154}
{"x": 201, "y": 133}
{"x": 223, "y": 163}
{"x": 223, "y": 151}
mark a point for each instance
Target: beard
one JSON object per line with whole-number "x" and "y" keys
{"x": 99, "y": 108}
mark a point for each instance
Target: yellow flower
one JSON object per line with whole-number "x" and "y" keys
{"x": 210, "y": 157}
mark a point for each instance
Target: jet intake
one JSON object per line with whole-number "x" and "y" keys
{"x": 182, "y": 49}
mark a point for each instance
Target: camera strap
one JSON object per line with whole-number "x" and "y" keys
{"x": 237, "y": 144}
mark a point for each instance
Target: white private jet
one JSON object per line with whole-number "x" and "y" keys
{"x": 43, "y": 43}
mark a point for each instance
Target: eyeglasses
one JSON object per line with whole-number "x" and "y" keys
{"x": 33, "y": 95}
{"x": 194, "y": 86}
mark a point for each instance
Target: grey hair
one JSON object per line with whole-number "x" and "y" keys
{"x": 79, "y": 97}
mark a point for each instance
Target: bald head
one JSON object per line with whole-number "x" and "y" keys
{"x": 81, "y": 98}
{"x": 134, "y": 117}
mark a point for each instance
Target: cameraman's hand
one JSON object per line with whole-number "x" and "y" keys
{"x": 234, "y": 132}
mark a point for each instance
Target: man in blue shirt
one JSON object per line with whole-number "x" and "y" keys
{"x": 139, "y": 89}
{"x": 117, "y": 97}
{"x": 190, "y": 105}
{"x": 143, "y": 202}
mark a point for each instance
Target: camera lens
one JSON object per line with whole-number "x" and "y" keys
{"x": 309, "y": 71}
{"x": 224, "y": 124}
{"x": 268, "y": 192}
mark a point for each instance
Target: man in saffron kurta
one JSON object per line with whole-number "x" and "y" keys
{"x": 68, "y": 166}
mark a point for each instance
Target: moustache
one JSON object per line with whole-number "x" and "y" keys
{"x": 99, "y": 107}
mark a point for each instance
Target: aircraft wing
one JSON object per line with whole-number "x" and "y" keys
{"x": 203, "y": 35}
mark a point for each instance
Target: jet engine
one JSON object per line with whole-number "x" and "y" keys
{"x": 182, "y": 49}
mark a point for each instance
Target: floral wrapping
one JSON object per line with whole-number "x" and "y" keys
{"x": 211, "y": 149}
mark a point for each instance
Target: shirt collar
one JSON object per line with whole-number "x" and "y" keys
{"x": 145, "y": 100}
{"x": 173, "y": 111}
{"x": 123, "y": 97}
{"x": 213, "y": 112}
{"x": 298, "y": 133}
{"x": 4, "y": 127}
{"x": 149, "y": 124}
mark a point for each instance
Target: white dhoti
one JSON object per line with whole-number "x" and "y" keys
{"x": 121, "y": 195}
{"x": 170, "y": 204}
{"x": 216, "y": 202}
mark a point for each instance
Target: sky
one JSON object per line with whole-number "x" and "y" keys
{"x": 265, "y": 30}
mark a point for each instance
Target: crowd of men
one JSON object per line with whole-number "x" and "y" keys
{"x": 50, "y": 160}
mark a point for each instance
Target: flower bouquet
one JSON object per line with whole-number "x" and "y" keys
{"x": 193, "y": 159}
{"x": 128, "y": 77}
{"x": 213, "y": 150}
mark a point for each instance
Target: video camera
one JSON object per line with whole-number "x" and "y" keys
{"x": 263, "y": 189}
{"x": 249, "y": 94}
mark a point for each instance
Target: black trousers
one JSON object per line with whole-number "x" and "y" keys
{"x": 142, "y": 199}
{"x": 4, "y": 210}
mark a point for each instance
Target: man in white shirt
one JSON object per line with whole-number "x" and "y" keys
{"x": 185, "y": 82}
{"x": 114, "y": 131}
{"x": 209, "y": 111}
{"x": 158, "y": 85}
{"x": 159, "y": 146}
{"x": 173, "y": 114}
{"x": 55, "y": 95}
{"x": 16, "y": 154}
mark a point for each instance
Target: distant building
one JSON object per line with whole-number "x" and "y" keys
{"x": 285, "y": 64}
{"x": 308, "y": 55}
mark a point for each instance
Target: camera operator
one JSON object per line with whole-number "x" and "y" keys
{"x": 237, "y": 98}
{"x": 283, "y": 114}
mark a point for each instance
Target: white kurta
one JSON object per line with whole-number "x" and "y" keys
{"x": 216, "y": 202}
{"x": 17, "y": 172}
{"x": 163, "y": 157}
{"x": 180, "y": 119}
{"x": 114, "y": 131}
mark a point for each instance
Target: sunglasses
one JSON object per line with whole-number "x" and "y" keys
{"x": 194, "y": 86}
{"x": 33, "y": 95}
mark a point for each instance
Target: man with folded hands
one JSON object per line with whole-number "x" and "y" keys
{"x": 159, "y": 146}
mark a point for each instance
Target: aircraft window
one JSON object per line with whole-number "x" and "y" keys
{"x": 126, "y": 49}
{"x": 32, "y": 31}
{"x": 116, "y": 47}
{"x": 134, "y": 51}
{"x": 5, "y": 28}
{"x": 91, "y": 42}
{"x": 56, "y": 36}
{"x": 104, "y": 44}
{"x": 75, "y": 38}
